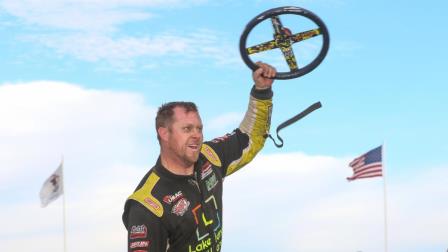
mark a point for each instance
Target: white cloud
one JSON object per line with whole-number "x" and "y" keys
{"x": 91, "y": 31}
{"x": 296, "y": 202}
{"x": 224, "y": 122}
{"x": 123, "y": 52}
{"x": 93, "y": 214}
{"x": 44, "y": 119}
{"x": 100, "y": 134}
{"x": 418, "y": 209}
{"x": 97, "y": 15}
{"x": 95, "y": 47}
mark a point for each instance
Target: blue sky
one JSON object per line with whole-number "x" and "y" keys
{"x": 83, "y": 79}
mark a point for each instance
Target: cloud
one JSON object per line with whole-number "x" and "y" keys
{"x": 125, "y": 51}
{"x": 418, "y": 211}
{"x": 96, "y": 15}
{"x": 44, "y": 119}
{"x": 104, "y": 137}
{"x": 224, "y": 122}
{"x": 297, "y": 202}
{"x": 93, "y": 31}
{"x": 96, "y": 47}
{"x": 93, "y": 213}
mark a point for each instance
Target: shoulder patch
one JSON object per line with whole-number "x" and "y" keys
{"x": 211, "y": 155}
{"x": 144, "y": 196}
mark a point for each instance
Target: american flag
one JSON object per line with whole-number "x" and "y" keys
{"x": 367, "y": 165}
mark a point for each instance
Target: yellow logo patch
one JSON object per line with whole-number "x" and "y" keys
{"x": 211, "y": 155}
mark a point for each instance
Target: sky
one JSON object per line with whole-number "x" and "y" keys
{"x": 81, "y": 81}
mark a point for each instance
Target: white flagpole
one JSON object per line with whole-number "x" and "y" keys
{"x": 63, "y": 203}
{"x": 385, "y": 198}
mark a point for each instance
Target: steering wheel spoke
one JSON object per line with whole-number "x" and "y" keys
{"x": 288, "y": 53}
{"x": 305, "y": 35}
{"x": 266, "y": 46}
{"x": 277, "y": 24}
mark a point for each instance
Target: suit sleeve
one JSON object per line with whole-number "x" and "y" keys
{"x": 235, "y": 150}
{"x": 145, "y": 230}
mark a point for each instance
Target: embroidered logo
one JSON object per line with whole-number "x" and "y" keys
{"x": 139, "y": 231}
{"x": 172, "y": 198}
{"x": 152, "y": 203}
{"x": 223, "y": 138}
{"x": 211, "y": 182}
{"x": 206, "y": 170}
{"x": 180, "y": 207}
{"x": 211, "y": 155}
{"x": 139, "y": 244}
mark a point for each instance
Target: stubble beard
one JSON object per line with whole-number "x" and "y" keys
{"x": 185, "y": 155}
{"x": 190, "y": 158}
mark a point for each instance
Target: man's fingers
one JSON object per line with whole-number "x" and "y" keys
{"x": 269, "y": 72}
{"x": 265, "y": 70}
{"x": 259, "y": 71}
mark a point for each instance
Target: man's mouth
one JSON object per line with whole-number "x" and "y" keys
{"x": 194, "y": 147}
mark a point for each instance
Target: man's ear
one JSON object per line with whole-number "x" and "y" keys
{"x": 163, "y": 133}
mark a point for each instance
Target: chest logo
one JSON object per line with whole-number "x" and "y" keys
{"x": 180, "y": 207}
{"x": 206, "y": 170}
{"x": 173, "y": 198}
{"x": 211, "y": 182}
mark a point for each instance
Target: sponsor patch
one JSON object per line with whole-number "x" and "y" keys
{"x": 180, "y": 207}
{"x": 211, "y": 182}
{"x": 139, "y": 244}
{"x": 138, "y": 231}
{"x": 152, "y": 204}
{"x": 206, "y": 170}
{"x": 211, "y": 155}
{"x": 172, "y": 198}
{"x": 223, "y": 138}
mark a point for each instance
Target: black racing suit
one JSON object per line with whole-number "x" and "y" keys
{"x": 169, "y": 212}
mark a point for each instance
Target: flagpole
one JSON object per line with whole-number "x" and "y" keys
{"x": 63, "y": 204}
{"x": 385, "y": 198}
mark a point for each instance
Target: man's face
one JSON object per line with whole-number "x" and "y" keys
{"x": 184, "y": 138}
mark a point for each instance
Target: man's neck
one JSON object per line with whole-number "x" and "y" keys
{"x": 176, "y": 166}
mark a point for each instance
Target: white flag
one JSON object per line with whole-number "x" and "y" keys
{"x": 53, "y": 187}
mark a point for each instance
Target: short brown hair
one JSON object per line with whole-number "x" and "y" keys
{"x": 164, "y": 116}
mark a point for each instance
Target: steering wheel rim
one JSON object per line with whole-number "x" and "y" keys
{"x": 285, "y": 40}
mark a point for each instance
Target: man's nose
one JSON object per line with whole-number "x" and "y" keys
{"x": 197, "y": 133}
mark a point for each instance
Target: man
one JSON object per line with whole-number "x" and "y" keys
{"x": 178, "y": 204}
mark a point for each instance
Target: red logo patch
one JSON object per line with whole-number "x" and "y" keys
{"x": 152, "y": 203}
{"x": 139, "y": 244}
{"x": 181, "y": 207}
{"x": 206, "y": 170}
{"x": 139, "y": 231}
{"x": 172, "y": 198}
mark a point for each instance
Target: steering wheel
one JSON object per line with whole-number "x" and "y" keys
{"x": 284, "y": 39}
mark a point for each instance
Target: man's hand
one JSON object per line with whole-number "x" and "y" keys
{"x": 263, "y": 75}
